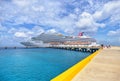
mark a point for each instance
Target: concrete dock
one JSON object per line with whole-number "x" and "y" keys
{"x": 105, "y": 66}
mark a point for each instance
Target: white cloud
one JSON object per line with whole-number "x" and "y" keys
{"x": 51, "y": 31}
{"x": 109, "y": 9}
{"x": 114, "y": 33}
{"x": 66, "y": 16}
{"x": 30, "y": 32}
{"x": 38, "y": 8}
{"x": 42, "y": 13}
{"x": 87, "y": 22}
{"x": 69, "y": 16}
{"x": 24, "y": 32}
{"x": 21, "y": 3}
{"x": 20, "y": 34}
{"x": 48, "y": 13}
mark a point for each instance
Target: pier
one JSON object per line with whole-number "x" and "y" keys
{"x": 105, "y": 66}
{"x": 75, "y": 48}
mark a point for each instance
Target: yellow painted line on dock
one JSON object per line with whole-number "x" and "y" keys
{"x": 71, "y": 72}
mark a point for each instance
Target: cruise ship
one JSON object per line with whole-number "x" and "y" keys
{"x": 45, "y": 40}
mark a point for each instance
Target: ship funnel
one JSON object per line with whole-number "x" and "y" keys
{"x": 80, "y": 34}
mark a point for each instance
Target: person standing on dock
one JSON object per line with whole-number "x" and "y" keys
{"x": 109, "y": 46}
{"x": 102, "y": 46}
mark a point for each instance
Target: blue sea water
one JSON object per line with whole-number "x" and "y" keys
{"x": 40, "y": 64}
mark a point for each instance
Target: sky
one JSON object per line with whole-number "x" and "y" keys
{"x": 22, "y": 19}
